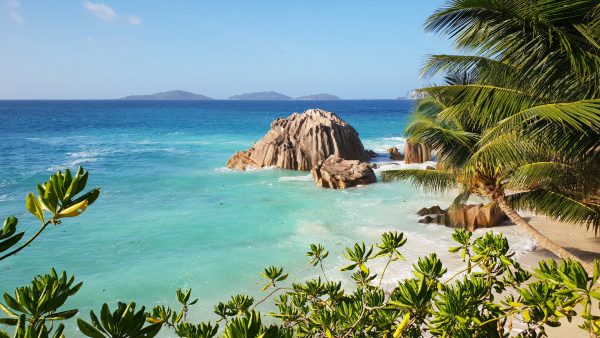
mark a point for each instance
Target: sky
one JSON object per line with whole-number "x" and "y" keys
{"x": 104, "y": 49}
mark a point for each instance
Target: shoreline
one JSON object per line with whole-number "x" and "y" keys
{"x": 577, "y": 240}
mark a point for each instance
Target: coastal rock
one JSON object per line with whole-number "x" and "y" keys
{"x": 338, "y": 173}
{"x": 416, "y": 153}
{"x": 434, "y": 210}
{"x": 371, "y": 154}
{"x": 300, "y": 141}
{"x": 470, "y": 217}
{"x": 395, "y": 154}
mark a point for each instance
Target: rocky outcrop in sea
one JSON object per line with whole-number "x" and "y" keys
{"x": 301, "y": 141}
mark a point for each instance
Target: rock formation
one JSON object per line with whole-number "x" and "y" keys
{"x": 470, "y": 217}
{"x": 300, "y": 141}
{"x": 434, "y": 210}
{"x": 395, "y": 154}
{"x": 337, "y": 173}
{"x": 416, "y": 153}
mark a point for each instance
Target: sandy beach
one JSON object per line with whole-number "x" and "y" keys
{"x": 579, "y": 241}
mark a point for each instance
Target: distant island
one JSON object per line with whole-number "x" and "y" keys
{"x": 275, "y": 96}
{"x": 262, "y": 96}
{"x": 170, "y": 95}
{"x": 181, "y": 95}
{"x": 318, "y": 97}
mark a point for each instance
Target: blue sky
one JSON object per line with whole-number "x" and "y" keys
{"x": 67, "y": 49}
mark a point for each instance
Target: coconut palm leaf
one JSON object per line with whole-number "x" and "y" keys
{"x": 429, "y": 107}
{"x": 453, "y": 146}
{"x": 476, "y": 68}
{"x": 461, "y": 199}
{"x": 428, "y": 180}
{"x": 572, "y": 127}
{"x": 487, "y": 105}
{"x": 543, "y": 175}
{"x": 507, "y": 150}
{"x": 557, "y": 206}
{"x": 541, "y": 39}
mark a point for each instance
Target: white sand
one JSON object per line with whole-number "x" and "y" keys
{"x": 578, "y": 241}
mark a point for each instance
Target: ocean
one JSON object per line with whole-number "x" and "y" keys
{"x": 171, "y": 215}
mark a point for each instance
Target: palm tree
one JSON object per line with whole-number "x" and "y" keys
{"x": 520, "y": 114}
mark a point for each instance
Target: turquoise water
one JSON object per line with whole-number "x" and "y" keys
{"x": 170, "y": 215}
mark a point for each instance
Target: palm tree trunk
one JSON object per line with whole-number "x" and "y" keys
{"x": 544, "y": 241}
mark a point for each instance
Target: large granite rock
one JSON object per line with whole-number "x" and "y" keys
{"x": 338, "y": 173}
{"x": 470, "y": 217}
{"x": 416, "y": 153}
{"x": 300, "y": 141}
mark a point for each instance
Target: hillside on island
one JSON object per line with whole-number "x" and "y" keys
{"x": 261, "y": 96}
{"x": 318, "y": 97}
{"x": 170, "y": 95}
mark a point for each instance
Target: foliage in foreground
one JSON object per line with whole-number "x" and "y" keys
{"x": 483, "y": 299}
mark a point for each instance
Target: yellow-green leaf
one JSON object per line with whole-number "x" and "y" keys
{"x": 526, "y": 316}
{"x": 402, "y": 326}
{"x": 74, "y": 210}
{"x": 34, "y": 207}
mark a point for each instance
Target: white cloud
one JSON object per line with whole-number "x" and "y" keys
{"x": 103, "y": 11}
{"x": 135, "y": 20}
{"x": 14, "y": 10}
{"x": 107, "y": 13}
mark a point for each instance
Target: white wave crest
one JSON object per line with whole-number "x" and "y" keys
{"x": 304, "y": 178}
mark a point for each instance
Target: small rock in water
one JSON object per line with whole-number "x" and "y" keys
{"x": 337, "y": 173}
{"x": 395, "y": 154}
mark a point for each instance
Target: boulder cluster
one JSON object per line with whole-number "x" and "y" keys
{"x": 468, "y": 216}
{"x": 315, "y": 140}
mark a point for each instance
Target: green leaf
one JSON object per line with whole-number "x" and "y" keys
{"x": 62, "y": 315}
{"x": 88, "y": 330}
{"x": 7, "y": 311}
{"x": 9, "y": 227}
{"x": 8, "y": 243}
{"x": 34, "y": 207}
{"x": 9, "y": 321}
{"x": 402, "y": 326}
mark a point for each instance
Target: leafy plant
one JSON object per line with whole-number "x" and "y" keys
{"x": 59, "y": 197}
{"x": 123, "y": 322}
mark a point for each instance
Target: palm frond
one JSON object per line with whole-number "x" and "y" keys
{"x": 428, "y": 180}
{"x": 428, "y": 107}
{"x": 454, "y": 147}
{"x": 461, "y": 199}
{"x": 543, "y": 174}
{"x": 573, "y": 126}
{"x": 556, "y": 206}
{"x": 479, "y": 68}
{"x": 481, "y": 105}
{"x": 506, "y": 151}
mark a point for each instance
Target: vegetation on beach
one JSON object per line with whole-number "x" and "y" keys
{"x": 484, "y": 299}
